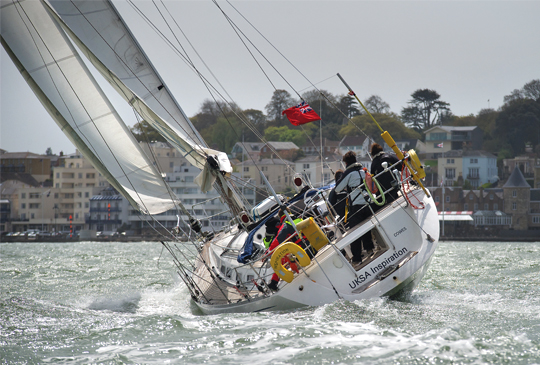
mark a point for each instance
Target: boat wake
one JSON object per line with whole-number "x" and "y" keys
{"x": 127, "y": 304}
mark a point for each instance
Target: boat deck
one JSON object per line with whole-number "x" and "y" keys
{"x": 216, "y": 290}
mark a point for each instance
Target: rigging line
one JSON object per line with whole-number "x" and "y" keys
{"x": 71, "y": 86}
{"x": 207, "y": 84}
{"x": 160, "y": 170}
{"x": 245, "y": 120}
{"x": 193, "y": 48}
{"x": 317, "y": 83}
{"x": 138, "y": 78}
{"x": 205, "y": 81}
{"x": 236, "y": 30}
{"x": 284, "y": 57}
{"x": 277, "y": 50}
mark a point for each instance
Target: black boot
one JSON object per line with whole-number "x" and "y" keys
{"x": 273, "y": 285}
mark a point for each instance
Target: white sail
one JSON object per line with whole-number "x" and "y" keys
{"x": 58, "y": 76}
{"x": 102, "y": 31}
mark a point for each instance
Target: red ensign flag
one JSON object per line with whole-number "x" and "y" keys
{"x": 301, "y": 114}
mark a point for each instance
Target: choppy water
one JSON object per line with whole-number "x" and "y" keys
{"x": 116, "y": 303}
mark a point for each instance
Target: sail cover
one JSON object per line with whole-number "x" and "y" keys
{"x": 58, "y": 76}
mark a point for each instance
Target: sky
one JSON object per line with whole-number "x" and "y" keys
{"x": 472, "y": 53}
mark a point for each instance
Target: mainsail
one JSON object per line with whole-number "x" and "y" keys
{"x": 60, "y": 79}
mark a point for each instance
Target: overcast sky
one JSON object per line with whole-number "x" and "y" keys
{"x": 472, "y": 53}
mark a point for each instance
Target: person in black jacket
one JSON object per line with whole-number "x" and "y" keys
{"x": 385, "y": 179}
{"x": 338, "y": 201}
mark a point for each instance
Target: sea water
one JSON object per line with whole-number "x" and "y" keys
{"x": 121, "y": 303}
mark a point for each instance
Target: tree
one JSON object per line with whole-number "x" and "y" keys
{"x": 375, "y": 104}
{"x": 425, "y": 109}
{"x": 388, "y": 122}
{"x": 49, "y": 151}
{"x": 517, "y": 124}
{"x": 281, "y": 100}
{"x": 144, "y": 132}
{"x": 349, "y": 108}
{"x": 531, "y": 90}
{"x": 324, "y": 103}
{"x": 285, "y": 134}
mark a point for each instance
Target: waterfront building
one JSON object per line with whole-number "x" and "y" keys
{"x": 442, "y": 139}
{"x": 358, "y": 144}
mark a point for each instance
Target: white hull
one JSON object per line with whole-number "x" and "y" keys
{"x": 408, "y": 238}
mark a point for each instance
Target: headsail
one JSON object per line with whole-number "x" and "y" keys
{"x": 58, "y": 76}
{"x": 102, "y": 35}
{"x": 98, "y": 29}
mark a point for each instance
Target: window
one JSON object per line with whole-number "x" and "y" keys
{"x": 23, "y": 205}
{"x": 33, "y": 205}
{"x": 86, "y": 205}
{"x": 450, "y": 173}
{"x": 475, "y": 207}
{"x": 447, "y": 199}
{"x": 474, "y": 172}
{"x": 246, "y": 168}
{"x": 473, "y": 160}
{"x": 495, "y": 206}
{"x": 449, "y": 160}
{"x": 465, "y": 206}
{"x": 171, "y": 164}
{"x": 189, "y": 178}
{"x": 514, "y": 193}
{"x": 87, "y": 194}
{"x": 437, "y": 136}
{"x": 80, "y": 175}
{"x": 264, "y": 168}
{"x": 471, "y": 197}
{"x": 306, "y": 166}
{"x": 490, "y": 196}
{"x": 514, "y": 206}
{"x": 486, "y": 206}
{"x": 536, "y": 220}
{"x": 57, "y": 175}
{"x": 279, "y": 179}
{"x": 23, "y": 195}
{"x": 34, "y": 195}
{"x": 437, "y": 199}
{"x": 56, "y": 195}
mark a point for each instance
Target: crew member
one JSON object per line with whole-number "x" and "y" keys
{"x": 338, "y": 201}
{"x": 358, "y": 209}
{"x": 386, "y": 178}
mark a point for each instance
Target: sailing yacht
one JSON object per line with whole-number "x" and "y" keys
{"x": 227, "y": 270}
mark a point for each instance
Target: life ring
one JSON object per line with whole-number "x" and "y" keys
{"x": 282, "y": 251}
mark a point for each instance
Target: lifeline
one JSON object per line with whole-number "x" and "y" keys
{"x": 386, "y": 262}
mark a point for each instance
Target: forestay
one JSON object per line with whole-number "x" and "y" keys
{"x": 58, "y": 76}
